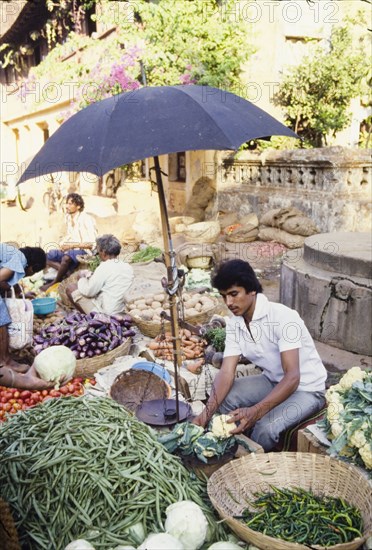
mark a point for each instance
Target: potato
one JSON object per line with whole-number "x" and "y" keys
{"x": 135, "y": 312}
{"x": 155, "y": 304}
{"x": 190, "y": 312}
{"x": 198, "y": 306}
{"x": 146, "y": 316}
{"x": 159, "y": 297}
{"x": 207, "y": 304}
{"x": 158, "y": 310}
{"x": 149, "y": 300}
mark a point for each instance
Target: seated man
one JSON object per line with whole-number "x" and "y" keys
{"x": 103, "y": 290}
{"x": 273, "y": 337}
{"x": 81, "y": 233}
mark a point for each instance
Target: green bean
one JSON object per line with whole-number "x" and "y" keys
{"x": 88, "y": 465}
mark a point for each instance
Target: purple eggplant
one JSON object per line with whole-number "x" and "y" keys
{"x": 128, "y": 333}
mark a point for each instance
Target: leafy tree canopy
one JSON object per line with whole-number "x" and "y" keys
{"x": 316, "y": 94}
{"x": 170, "y": 42}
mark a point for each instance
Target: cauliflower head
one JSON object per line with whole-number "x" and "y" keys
{"x": 352, "y": 375}
{"x": 366, "y": 455}
{"x": 220, "y": 427}
{"x": 358, "y": 438}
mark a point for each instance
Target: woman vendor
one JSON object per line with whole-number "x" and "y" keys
{"x": 14, "y": 264}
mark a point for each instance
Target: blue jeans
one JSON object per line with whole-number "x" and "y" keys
{"x": 249, "y": 390}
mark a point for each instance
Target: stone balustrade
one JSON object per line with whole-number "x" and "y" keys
{"x": 331, "y": 185}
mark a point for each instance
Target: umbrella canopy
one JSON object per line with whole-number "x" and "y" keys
{"x": 150, "y": 122}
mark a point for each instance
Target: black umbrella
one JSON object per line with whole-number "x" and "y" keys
{"x": 149, "y": 122}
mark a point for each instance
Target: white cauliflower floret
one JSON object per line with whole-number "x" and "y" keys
{"x": 358, "y": 438}
{"x": 366, "y": 455}
{"x": 220, "y": 427}
{"x": 352, "y": 375}
{"x": 336, "y": 428}
{"x": 334, "y": 410}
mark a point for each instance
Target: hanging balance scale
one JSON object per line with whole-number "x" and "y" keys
{"x": 166, "y": 411}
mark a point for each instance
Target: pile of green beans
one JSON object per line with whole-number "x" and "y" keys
{"x": 86, "y": 468}
{"x": 300, "y": 516}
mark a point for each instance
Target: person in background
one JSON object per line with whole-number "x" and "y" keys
{"x": 105, "y": 289}
{"x": 15, "y": 264}
{"x": 81, "y": 233}
{"x": 274, "y": 338}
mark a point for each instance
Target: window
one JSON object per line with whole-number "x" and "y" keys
{"x": 177, "y": 166}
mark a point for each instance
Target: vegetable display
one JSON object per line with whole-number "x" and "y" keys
{"x": 192, "y": 347}
{"x": 87, "y": 469}
{"x": 87, "y": 335}
{"x": 188, "y": 439}
{"x": 297, "y": 515}
{"x": 146, "y": 255}
{"x": 13, "y": 400}
{"x": 349, "y": 417}
{"x": 149, "y": 308}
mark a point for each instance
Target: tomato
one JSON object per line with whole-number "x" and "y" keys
{"x": 27, "y": 402}
{"x": 7, "y": 407}
{"x": 12, "y": 401}
{"x": 55, "y": 393}
{"x": 16, "y": 394}
{"x": 26, "y": 394}
{"x": 17, "y": 407}
{"x": 3, "y": 400}
{"x": 8, "y": 395}
{"x": 44, "y": 393}
{"x": 2, "y": 414}
{"x": 63, "y": 390}
{"x": 71, "y": 388}
{"x": 77, "y": 380}
{"x": 24, "y": 407}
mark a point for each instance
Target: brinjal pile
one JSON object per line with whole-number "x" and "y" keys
{"x": 87, "y": 335}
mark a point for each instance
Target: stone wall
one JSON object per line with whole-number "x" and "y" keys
{"x": 331, "y": 185}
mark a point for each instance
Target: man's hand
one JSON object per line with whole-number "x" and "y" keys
{"x": 246, "y": 416}
{"x": 31, "y": 381}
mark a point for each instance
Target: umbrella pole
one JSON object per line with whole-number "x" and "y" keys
{"x": 172, "y": 278}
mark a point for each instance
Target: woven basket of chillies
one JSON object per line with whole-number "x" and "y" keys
{"x": 294, "y": 501}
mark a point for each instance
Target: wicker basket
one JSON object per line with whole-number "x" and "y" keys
{"x": 133, "y": 387}
{"x": 203, "y": 232}
{"x": 62, "y": 290}
{"x": 89, "y": 365}
{"x": 8, "y": 532}
{"x": 153, "y": 328}
{"x": 231, "y": 486}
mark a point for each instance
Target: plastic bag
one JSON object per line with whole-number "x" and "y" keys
{"x": 21, "y": 312}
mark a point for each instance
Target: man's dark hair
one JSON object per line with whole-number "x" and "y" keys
{"x": 109, "y": 244}
{"x": 235, "y": 273}
{"x": 35, "y": 256}
{"x": 76, "y": 199}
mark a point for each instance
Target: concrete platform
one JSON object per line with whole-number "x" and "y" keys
{"x": 330, "y": 285}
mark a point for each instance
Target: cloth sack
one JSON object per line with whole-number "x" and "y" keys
{"x": 21, "y": 312}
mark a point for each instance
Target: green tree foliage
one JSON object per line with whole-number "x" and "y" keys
{"x": 163, "y": 43}
{"x": 316, "y": 94}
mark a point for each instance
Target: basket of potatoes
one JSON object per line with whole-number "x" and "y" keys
{"x": 146, "y": 311}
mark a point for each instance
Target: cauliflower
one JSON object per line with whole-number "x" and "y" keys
{"x": 186, "y": 522}
{"x": 352, "y": 375}
{"x": 366, "y": 455}
{"x": 358, "y": 438}
{"x": 334, "y": 410}
{"x": 220, "y": 427}
{"x": 336, "y": 428}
